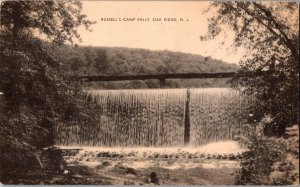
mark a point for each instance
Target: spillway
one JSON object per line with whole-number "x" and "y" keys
{"x": 160, "y": 117}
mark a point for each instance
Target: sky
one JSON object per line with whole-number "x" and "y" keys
{"x": 182, "y": 36}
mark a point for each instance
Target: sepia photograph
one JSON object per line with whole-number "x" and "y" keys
{"x": 149, "y": 92}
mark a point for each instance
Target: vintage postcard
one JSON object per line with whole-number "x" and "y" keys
{"x": 149, "y": 92}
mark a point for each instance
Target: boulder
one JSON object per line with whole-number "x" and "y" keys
{"x": 153, "y": 178}
{"x": 124, "y": 170}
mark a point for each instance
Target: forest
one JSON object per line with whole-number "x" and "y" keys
{"x": 87, "y": 60}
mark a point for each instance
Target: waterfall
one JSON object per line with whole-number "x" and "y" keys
{"x": 218, "y": 114}
{"x": 160, "y": 118}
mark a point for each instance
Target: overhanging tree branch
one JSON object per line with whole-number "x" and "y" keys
{"x": 285, "y": 39}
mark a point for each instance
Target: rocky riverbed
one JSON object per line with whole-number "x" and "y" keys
{"x": 113, "y": 168}
{"x": 212, "y": 164}
{"x": 145, "y": 166}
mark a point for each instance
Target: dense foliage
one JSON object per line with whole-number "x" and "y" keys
{"x": 270, "y": 33}
{"x": 270, "y": 72}
{"x": 37, "y": 94}
{"x": 271, "y": 161}
{"x": 126, "y": 61}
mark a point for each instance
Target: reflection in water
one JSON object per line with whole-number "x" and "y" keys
{"x": 157, "y": 117}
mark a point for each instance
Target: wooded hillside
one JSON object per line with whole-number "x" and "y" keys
{"x": 126, "y": 61}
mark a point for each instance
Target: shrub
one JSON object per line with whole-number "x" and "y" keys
{"x": 269, "y": 161}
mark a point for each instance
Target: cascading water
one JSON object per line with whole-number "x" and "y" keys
{"x": 218, "y": 114}
{"x": 159, "y": 117}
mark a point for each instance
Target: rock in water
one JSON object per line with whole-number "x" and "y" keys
{"x": 106, "y": 163}
{"x": 153, "y": 178}
{"x": 124, "y": 170}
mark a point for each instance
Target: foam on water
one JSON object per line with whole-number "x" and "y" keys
{"x": 226, "y": 147}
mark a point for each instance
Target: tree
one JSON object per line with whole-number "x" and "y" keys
{"x": 270, "y": 33}
{"x": 57, "y": 20}
{"x": 101, "y": 61}
{"x": 270, "y": 72}
{"x": 37, "y": 92}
